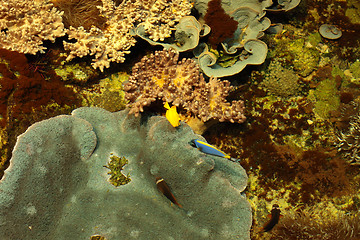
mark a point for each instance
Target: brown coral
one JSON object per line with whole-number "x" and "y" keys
{"x": 161, "y": 76}
{"x": 26, "y": 24}
{"x": 81, "y": 13}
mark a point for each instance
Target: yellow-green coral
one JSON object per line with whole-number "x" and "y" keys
{"x": 116, "y": 165}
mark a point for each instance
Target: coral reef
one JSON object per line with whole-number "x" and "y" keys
{"x": 186, "y": 37}
{"x": 241, "y": 25}
{"x": 325, "y": 96}
{"x": 107, "y": 93}
{"x": 79, "y": 13}
{"x": 348, "y": 143}
{"x": 222, "y": 25}
{"x": 57, "y": 175}
{"x": 30, "y": 92}
{"x": 112, "y": 43}
{"x": 280, "y": 81}
{"x": 24, "y": 25}
{"x": 161, "y": 76}
{"x": 313, "y": 224}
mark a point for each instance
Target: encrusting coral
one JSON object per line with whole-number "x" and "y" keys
{"x": 161, "y": 76}
{"x": 57, "y": 187}
{"x": 24, "y": 25}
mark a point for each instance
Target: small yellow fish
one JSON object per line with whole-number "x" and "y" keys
{"x": 171, "y": 115}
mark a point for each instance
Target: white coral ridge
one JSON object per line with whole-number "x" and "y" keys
{"x": 112, "y": 43}
{"x": 25, "y": 24}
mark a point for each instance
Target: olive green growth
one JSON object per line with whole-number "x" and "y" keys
{"x": 116, "y": 165}
{"x": 325, "y": 98}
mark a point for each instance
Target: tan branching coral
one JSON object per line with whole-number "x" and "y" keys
{"x": 111, "y": 44}
{"x": 161, "y": 76}
{"x": 160, "y": 16}
{"x": 24, "y": 25}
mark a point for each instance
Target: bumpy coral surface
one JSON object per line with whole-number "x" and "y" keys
{"x": 58, "y": 188}
{"x": 26, "y": 24}
{"x": 161, "y": 76}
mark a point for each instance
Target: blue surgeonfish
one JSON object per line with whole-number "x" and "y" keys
{"x": 209, "y": 149}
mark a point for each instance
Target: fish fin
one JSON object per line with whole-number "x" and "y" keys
{"x": 166, "y": 105}
{"x": 235, "y": 160}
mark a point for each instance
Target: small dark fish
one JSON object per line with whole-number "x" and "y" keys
{"x": 274, "y": 218}
{"x": 165, "y": 189}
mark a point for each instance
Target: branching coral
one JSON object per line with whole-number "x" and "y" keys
{"x": 81, "y": 13}
{"x": 161, "y": 76}
{"x": 112, "y": 43}
{"x": 26, "y": 24}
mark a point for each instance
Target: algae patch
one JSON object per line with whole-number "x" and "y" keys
{"x": 325, "y": 98}
{"x": 116, "y": 165}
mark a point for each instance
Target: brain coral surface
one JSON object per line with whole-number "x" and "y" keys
{"x": 57, "y": 187}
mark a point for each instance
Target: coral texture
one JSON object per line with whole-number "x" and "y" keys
{"x": 280, "y": 81}
{"x": 348, "y": 143}
{"x": 24, "y": 25}
{"x": 161, "y": 76}
{"x": 112, "y": 43}
{"x": 317, "y": 224}
{"x": 57, "y": 187}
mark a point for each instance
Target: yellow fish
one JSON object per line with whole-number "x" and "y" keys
{"x": 171, "y": 115}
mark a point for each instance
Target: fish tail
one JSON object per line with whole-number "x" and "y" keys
{"x": 166, "y": 105}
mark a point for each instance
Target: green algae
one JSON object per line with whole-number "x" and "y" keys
{"x": 116, "y": 165}
{"x": 325, "y": 98}
{"x": 355, "y": 69}
{"x": 305, "y": 59}
{"x": 75, "y": 72}
{"x": 107, "y": 94}
{"x": 297, "y": 51}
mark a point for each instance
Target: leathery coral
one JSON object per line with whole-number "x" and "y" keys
{"x": 161, "y": 76}
{"x": 112, "y": 43}
{"x": 24, "y": 25}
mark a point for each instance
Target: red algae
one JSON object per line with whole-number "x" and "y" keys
{"x": 222, "y": 25}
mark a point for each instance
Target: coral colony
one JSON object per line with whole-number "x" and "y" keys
{"x": 120, "y": 119}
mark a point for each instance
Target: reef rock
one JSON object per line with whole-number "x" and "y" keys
{"x": 57, "y": 187}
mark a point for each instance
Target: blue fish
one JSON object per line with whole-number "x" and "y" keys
{"x": 209, "y": 149}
